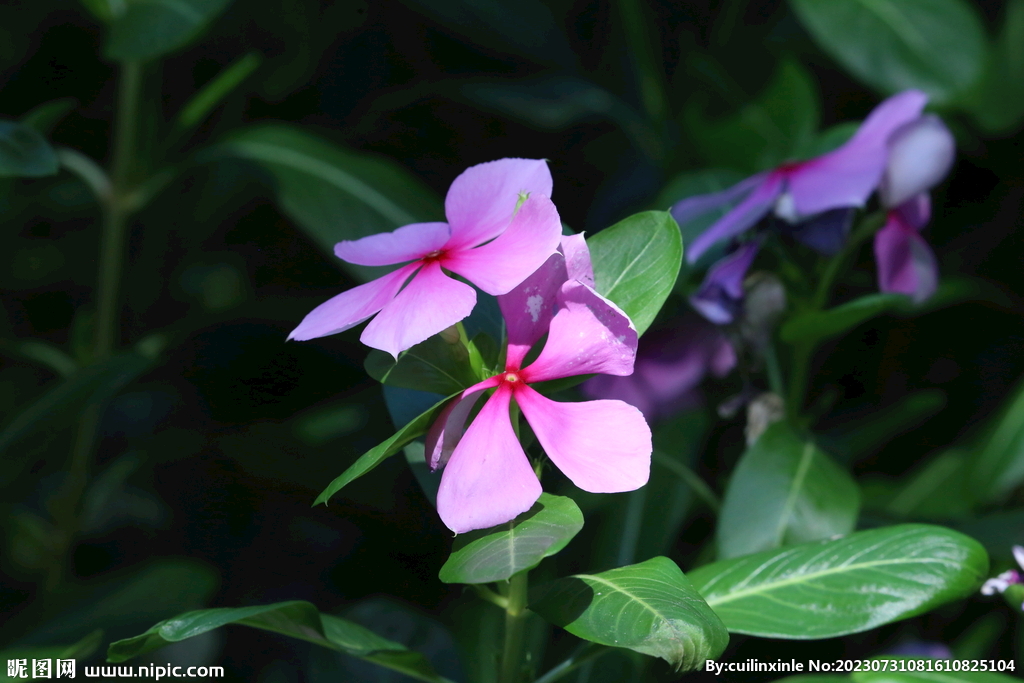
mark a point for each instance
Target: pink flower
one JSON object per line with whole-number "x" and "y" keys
{"x": 844, "y": 177}
{"x": 602, "y": 446}
{"x": 906, "y": 264}
{"x": 486, "y": 240}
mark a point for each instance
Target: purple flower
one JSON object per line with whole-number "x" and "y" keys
{"x": 670, "y": 364}
{"x": 602, "y": 446}
{"x": 720, "y": 296}
{"x": 1011, "y": 577}
{"x": 487, "y": 240}
{"x": 844, "y": 177}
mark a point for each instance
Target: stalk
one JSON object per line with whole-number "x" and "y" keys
{"x": 515, "y": 629}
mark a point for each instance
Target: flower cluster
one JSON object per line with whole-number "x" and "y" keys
{"x": 897, "y": 152}
{"x": 503, "y": 235}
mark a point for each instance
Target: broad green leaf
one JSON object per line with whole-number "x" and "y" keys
{"x": 941, "y": 676}
{"x": 375, "y": 456}
{"x": 816, "y": 326}
{"x": 848, "y": 585}
{"x": 441, "y": 365}
{"x": 997, "y": 463}
{"x": 497, "y": 553}
{"x": 999, "y": 107}
{"x": 938, "y": 490}
{"x": 764, "y": 133}
{"x": 649, "y": 607}
{"x": 938, "y": 46}
{"x": 96, "y": 383}
{"x": 25, "y": 152}
{"x": 219, "y": 87}
{"x": 636, "y": 262}
{"x": 784, "y": 490}
{"x": 297, "y": 619}
{"x": 152, "y": 28}
{"x": 332, "y": 193}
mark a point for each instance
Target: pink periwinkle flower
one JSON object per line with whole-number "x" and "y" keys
{"x": 601, "y": 446}
{"x": 671, "y": 363}
{"x": 844, "y": 177}
{"x": 486, "y": 240}
{"x": 1011, "y": 577}
{"x": 921, "y": 154}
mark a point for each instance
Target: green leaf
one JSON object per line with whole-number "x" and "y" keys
{"x": 636, "y": 262}
{"x": 784, "y": 490}
{"x": 151, "y": 28}
{"x": 297, "y": 619}
{"x": 649, "y": 607}
{"x": 938, "y": 46}
{"x": 997, "y": 463}
{"x": 816, "y": 326}
{"x": 764, "y": 133}
{"x": 441, "y": 365}
{"x": 926, "y": 676}
{"x": 333, "y": 193}
{"x": 106, "y": 10}
{"x": 497, "y": 553}
{"x": 82, "y": 649}
{"x": 999, "y": 107}
{"x": 375, "y": 456}
{"x": 45, "y": 116}
{"x": 853, "y": 584}
{"x": 219, "y": 87}
{"x": 25, "y": 152}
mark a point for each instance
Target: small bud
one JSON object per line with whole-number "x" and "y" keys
{"x": 764, "y": 411}
{"x": 920, "y": 155}
{"x": 450, "y": 334}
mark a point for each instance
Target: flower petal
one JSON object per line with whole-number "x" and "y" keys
{"x": 920, "y": 155}
{"x": 685, "y": 210}
{"x": 431, "y": 302}
{"x": 488, "y": 479}
{"x": 721, "y": 294}
{"x": 747, "y": 213}
{"x": 529, "y": 307}
{"x": 352, "y": 307}
{"x": 906, "y": 264}
{"x": 481, "y": 201}
{"x": 589, "y": 334}
{"x": 848, "y": 175}
{"x": 446, "y": 432}
{"x": 577, "y": 259}
{"x": 826, "y": 232}
{"x": 500, "y": 265}
{"x": 404, "y": 244}
{"x": 602, "y": 446}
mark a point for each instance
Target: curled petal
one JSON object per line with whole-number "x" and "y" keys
{"x": 721, "y": 294}
{"x": 920, "y": 155}
{"x": 906, "y": 264}
{"x": 498, "y": 266}
{"x": 602, "y": 446}
{"x": 529, "y": 307}
{"x": 444, "y": 435}
{"x": 404, "y": 244}
{"x": 481, "y": 201}
{"x": 746, "y": 214}
{"x": 577, "y": 259}
{"x": 848, "y": 175}
{"x": 352, "y": 307}
{"x": 431, "y": 302}
{"x": 488, "y": 479}
{"x": 589, "y": 334}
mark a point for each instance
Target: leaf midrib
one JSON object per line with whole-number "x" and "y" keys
{"x": 650, "y": 608}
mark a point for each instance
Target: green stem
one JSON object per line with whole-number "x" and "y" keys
{"x": 515, "y": 629}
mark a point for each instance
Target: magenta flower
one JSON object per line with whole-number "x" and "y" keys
{"x": 844, "y": 177}
{"x": 486, "y": 240}
{"x": 670, "y": 365}
{"x": 602, "y": 446}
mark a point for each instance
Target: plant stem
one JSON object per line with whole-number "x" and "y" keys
{"x": 515, "y": 629}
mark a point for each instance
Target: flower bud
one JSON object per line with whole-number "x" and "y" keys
{"x": 920, "y": 155}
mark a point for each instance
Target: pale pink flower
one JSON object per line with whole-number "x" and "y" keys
{"x": 601, "y": 446}
{"x": 486, "y": 240}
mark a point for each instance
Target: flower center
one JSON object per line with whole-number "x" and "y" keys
{"x": 433, "y": 256}
{"x": 511, "y": 377}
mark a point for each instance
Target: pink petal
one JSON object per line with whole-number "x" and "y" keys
{"x": 577, "y": 259}
{"x": 906, "y": 264}
{"x": 602, "y": 446}
{"x": 431, "y": 302}
{"x": 404, "y": 244}
{"x": 689, "y": 208}
{"x": 848, "y": 175}
{"x": 481, "y": 201}
{"x": 498, "y": 266}
{"x": 529, "y": 307}
{"x": 488, "y": 479}
{"x": 744, "y": 215}
{"x": 352, "y": 307}
{"x": 589, "y": 334}
{"x": 920, "y": 155}
{"x": 443, "y": 436}
{"x": 916, "y": 211}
